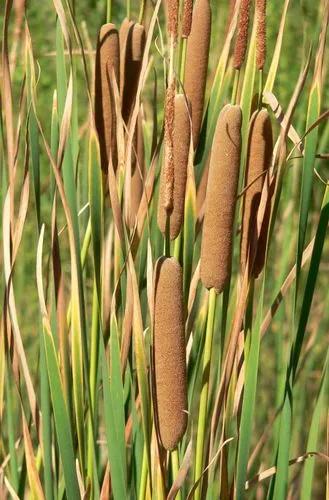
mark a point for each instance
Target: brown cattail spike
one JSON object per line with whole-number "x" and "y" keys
{"x": 124, "y": 37}
{"x": 217, "y": 236}
{"x": 173, "y": 6}
{"x": 187, "y": 18}
{"x": 241, "y": 42}
{"x": 261, "y": 33}
{"x": 260, "y": 147}
{"x": 132, "y": 43}
{"x": 169, "y": 352}
{"x": 181, "y": 146}
{"x": 169, "y": 147}
{"x": 107, "y": 64}
{"x": 262, "y": 240}
{"x": 196, "y": 66}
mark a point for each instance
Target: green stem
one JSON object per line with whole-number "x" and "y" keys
{"x": 183, "y": 59}
{"x": 167, "y": 237}
{"x": 260, "y": 89}
{"x": 142, "y": 12}
{"x": 128, "y": 9}
{"x": 177, "y": 247}
{"x": 142, "y": 487}
{"x": 46, "y": 422}
{"x": 175, "y": 469}
{"x": 108, "y": 11}
{"x": 204, "y": 391}
{"x": 235, "y": 86}
{"x": 94, "y": 348}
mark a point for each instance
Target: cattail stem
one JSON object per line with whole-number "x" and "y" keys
{"x": 128, "y": 9}
{"x": 260, "y": 89}
{"x": 204, "y": 391}
{"x": 175, "y": 469}
{"x": 182, "y": 59}
{"x": 108, "y": 11}
{"x": 142, "y": 12}
{"x": 167, "y": 237}
{"x": 235, "y": 86}
{"x": 143, "y": 483}
{"x": 177, "y": 247}
{"x": 93, "y": 377}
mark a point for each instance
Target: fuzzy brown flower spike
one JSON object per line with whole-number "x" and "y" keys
{"x": 169, "y": 166}
{"x": 241, "y": 42}
{"x": 217, "y": 235}
{"x": 260, "y": 147}
{"x": 181, "y": 146}
{"x": 196, "y": 67}
{"x": 107, "y": 65}
{"x": 132, "y": 43}
{"x": 169, "y": 353}
{"x": 261, "y": 33}
{"x": 173, "y": 7}
{"x": 187, "y": 18}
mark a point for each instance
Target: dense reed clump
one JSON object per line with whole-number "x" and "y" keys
{"x": 132, "y": 43}
{"x": 181, "y": 146}
{"x": 260, "y": 147}
{"x": 217, "y": 235}
{"x": 241, "y": 41}
{"x": 261, "y": 33}
{"x": 107, "y": 65}
{"x": 196, "y": 67}
{"x": 169, "y": 352}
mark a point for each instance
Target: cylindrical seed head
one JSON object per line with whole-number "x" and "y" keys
{"x": 172, "y": 22}
{"x": 169, "y": 352}
{"x": 217, "y": 235}
{"x": 260, "y": 148}
{"x": 132, "y": 43}
{"x": 168, "y": 198}
{"x": 262, "y": 239}
{"x": 124, "y": 37}
{"x": 181, "y": 146}
{"x": 261, "y": 33}
{"x": 187, "y": 18}
{"x": 196, "y": 66}
{"x": 107, "y": 63}
{"x": 241, "y": 42}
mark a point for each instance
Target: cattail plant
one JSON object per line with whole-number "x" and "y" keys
{"x": 260, "y": 146}
{"x": 107, "y": 67}
{"x": 241, "y": 42}
{"x": 181, "y": 146}
{"x": 170, "y": 389}
{"x": 217, "y": 236}
{"x": 196, "y": 66}
{"x": 132, "y": 43}
{"x": 217, "y": 241}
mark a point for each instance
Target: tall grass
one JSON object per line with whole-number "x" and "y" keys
{"x": 164, "y": 254}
